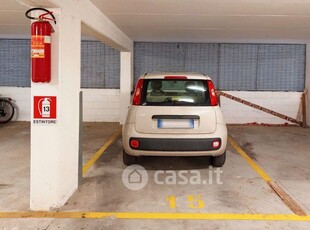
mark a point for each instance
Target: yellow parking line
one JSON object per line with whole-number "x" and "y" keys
{"x": 159, "y": 215}
{"x": 101, "y": 151}
{"x": 254, "y": 165}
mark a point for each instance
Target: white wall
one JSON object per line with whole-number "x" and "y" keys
{"x": 98, "y": 104}
{"x": 21, "y": 97}
{"x": 286, "y": 103}
{"x": 104, "y": 105}
{"x": 101, "y": 105}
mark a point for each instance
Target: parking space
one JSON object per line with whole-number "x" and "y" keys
{"x": 232, "y": 193}
{"x": 145, "y": 114}
{"x": 94, "y": 136}
{"x": 283, "y": 152}
{"x": 238, "y": 189}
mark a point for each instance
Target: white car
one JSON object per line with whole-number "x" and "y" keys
{"x": 174, "y": 114}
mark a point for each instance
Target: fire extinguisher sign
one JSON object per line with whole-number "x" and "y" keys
{"x": 44, "y": 110}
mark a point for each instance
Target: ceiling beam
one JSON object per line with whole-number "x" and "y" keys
{"x": 94, "y": 22}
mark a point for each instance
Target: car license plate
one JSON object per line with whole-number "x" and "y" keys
{"x": 175, "y": 123}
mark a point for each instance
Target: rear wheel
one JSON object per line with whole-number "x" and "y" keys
{"x": 128, "y": 159}
{"x": 6, "y": 111}
{"x": 218, "y": 161}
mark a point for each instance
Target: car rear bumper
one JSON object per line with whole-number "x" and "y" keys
{"x": 176, "y": 144}
{"x": 169, "y": 145}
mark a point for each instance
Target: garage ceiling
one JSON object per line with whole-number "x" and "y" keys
{"x": 13, "y": 23}
{"x": 209, "y": 20}
{"x": 189, "y": 20}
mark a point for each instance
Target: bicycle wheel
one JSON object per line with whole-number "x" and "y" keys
{"x": 6, "y": 111}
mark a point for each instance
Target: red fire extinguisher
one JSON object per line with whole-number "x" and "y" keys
{"x": 41, "y": 46}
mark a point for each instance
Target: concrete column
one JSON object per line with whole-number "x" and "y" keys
{"x": 55, "y": 147}
{"x": 307, "y": 82}
{"x": 126, "y": 82}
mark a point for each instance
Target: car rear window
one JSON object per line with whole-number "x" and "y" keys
{"x": 164, "y": 92}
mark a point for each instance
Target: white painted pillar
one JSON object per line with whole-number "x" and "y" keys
{"x": 126, "y": 81}
{"x": 55, "y": 147}
{"x": 307, "y": 82}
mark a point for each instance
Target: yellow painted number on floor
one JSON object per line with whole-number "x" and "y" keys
{"x": 171, "y": 201}
{"x": 195, "y": 201}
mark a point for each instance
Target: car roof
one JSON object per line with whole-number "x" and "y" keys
{"x": 162, "y": 75}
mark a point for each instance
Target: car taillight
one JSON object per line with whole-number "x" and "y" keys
{"x": 136, "y": 100}
{"x": 213, "y": 97}
{"x": 216, "y": 144}
{"x": 134, "y": 144}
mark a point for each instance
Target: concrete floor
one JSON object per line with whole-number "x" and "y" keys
{"x": 283, "y": 152}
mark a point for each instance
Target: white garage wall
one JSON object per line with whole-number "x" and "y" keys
{"x": 98, "y": 104}
{"x": 286, "y": 103}
{"x": 104, "y": 105}
{"x": 101, "y": 105}
{"x": 21, "y": 97}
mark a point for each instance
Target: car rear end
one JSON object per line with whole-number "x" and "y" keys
{"x": 181, "y": 118}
